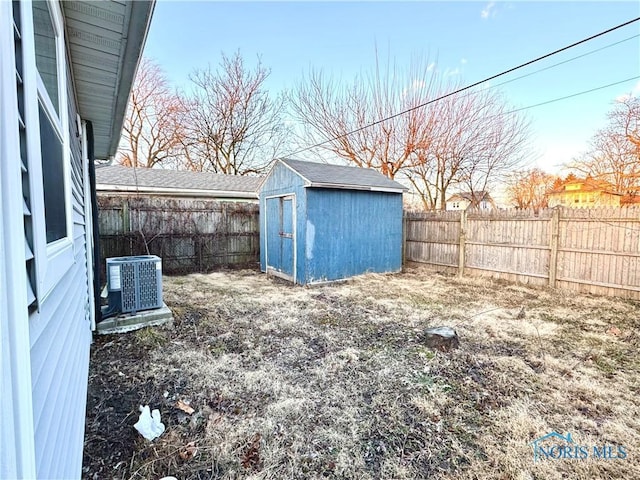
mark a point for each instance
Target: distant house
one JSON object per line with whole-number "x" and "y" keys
{"x": 119, "y": 180}
{"x": 471, "y": 201}
{"x": 584, "y": 193}
{"x": 322, "y": 222}
{"x": 66, "y": 70}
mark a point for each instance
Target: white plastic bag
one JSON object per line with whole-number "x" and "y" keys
{"x": 149, "y": 424}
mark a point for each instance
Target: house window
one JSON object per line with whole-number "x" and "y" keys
{"x": 53, "y": 179}
{"x": 48, "y": 55}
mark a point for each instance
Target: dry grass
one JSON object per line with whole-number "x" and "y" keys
{"x": 335, "y": 381}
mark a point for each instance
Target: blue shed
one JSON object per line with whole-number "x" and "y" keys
{"x": 322, "y": 222}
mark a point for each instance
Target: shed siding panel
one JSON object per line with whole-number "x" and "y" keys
{"x": 354, "y": 232}
{"x": 60, "y": 338}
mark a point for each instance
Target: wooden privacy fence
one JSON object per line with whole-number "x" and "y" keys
{"x": 595, "y": 250}
{"x": 190, "y": 235}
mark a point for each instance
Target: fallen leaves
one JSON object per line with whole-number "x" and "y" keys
{"x": 185, "y": 407}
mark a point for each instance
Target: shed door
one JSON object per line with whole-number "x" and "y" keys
{"x": 281, "y": 236}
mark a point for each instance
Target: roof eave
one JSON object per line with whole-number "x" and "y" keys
{"x": 344, "y": 186}
{"x": 105, "y": 40}
{"x": 141, "y": 14}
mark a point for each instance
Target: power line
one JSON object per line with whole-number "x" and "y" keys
{"x": 565, "y": 97}
{"x": 556, "y": 65}
{"x": 563, "y": 62}
{"x": 488, "y": 79}
{"x": 584, "y": 92}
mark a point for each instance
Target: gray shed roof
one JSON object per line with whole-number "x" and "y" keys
{"x": 172, "y": 182}
{"x": 322, "y": 175}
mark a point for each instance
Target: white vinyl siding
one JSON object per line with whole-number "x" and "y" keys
{"x": 45, "y": 294}
{"x": 60, "y": 340}
{"x": 17, "y": 451}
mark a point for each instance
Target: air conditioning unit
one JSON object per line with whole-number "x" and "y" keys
{"x": 133, "y": 284}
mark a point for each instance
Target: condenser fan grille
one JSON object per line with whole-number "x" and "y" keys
{"x": 138, "y": 279}
{"x": 148, "y": 292}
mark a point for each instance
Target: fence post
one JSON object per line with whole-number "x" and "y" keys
{"x": 553, "y": 257}
{"x": 461, "y": 245}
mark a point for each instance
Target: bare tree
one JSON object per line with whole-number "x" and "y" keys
{"x": 388, "y": 121}
{"x": 475, "y": 142}
{"x": 529, "y": 188}
{"x": 153, "y": 128}
{"x": 348, "y": 119}
{"x": 440, "y": 153}
{"x": 234, "y": 126}
{"x": 501, "y": 144}
{"x": 614, "y": 153}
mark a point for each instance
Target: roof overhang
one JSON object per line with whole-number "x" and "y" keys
{"x": 105, "y": 40}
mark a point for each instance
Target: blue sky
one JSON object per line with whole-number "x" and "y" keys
{"x": 468, "y": 41}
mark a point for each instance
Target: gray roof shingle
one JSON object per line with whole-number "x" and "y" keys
{"x": 149, "y": 178}
{"x": 339, "y": 176}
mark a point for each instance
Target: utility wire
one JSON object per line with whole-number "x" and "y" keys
{"x": 480, "y": 82}
{"x": 584, "y": 92}
{"x": 553, "y": 66}
{"x": 565, "y": 97}
{"x": 561, "y": 63}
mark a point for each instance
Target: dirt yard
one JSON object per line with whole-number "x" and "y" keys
{"x": 336, "y": 382}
